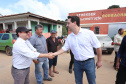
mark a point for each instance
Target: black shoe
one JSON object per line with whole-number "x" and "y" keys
{"x": 70, "y": 70}
{"x": 49, "y": 79}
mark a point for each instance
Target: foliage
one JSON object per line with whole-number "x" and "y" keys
{"x": 64, "y": 31}
{"x": 114, "y": 6}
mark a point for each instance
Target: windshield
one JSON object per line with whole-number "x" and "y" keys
{"x": 14, "y": 36}
{"x": 104, "y": 38}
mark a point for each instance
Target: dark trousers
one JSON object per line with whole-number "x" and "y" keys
{"x": 72, "y": 60}
{"x": 121, "y": 75}
{"x": 115, "y": 59}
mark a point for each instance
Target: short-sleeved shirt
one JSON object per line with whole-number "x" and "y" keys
{"x": 117, "y": 39}
{"x": 52, "y": 46}
{"x": 39, "y": 43}
{"x": 82, "y": 44}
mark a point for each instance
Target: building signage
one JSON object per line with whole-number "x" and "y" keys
{"x": 102, "y": 16}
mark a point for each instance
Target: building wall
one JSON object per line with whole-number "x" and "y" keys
{"x": 59, "y": 30}
{"x": 33, "y": 26}
{"x": 103, "y": 28}
{"x": 102, "y": 18}
{"x": 45, "y": 26}
{"x": 55, "y": 27}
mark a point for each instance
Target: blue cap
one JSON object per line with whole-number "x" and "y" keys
{"x": 53, "y": 31}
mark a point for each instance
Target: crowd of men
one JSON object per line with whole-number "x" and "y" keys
{"x": 81, "y": 42}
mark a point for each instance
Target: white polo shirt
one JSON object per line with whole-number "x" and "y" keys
{"x": 23, "y": 54}
{"x": 82, "y": 44}
{"x": 117, "y": 39}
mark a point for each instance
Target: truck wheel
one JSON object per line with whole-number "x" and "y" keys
{"x": 8, "y": 51}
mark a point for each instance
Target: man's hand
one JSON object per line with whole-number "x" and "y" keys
{"x": 36, "y": 61}
{"x": 117, "y": 65}
{"x": 54, "y": 54}
{"x": 50, "y": 55}
{"x": 98, "y": 64}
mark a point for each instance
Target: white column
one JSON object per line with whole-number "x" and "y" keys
{"x": 29, "y": 24}
{"x": 38, "y": 22}
{"x": 52, "y": 26}
{"x": 15, "y": 25}
{"x": 4, "y": 26}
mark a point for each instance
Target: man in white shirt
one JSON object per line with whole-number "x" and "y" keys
{"x": 117, "y": 41}
{"x": 23, "y": 54}
{"x": 81, "y": 42}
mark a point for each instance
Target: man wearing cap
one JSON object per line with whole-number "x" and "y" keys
{"x": 39, "y": 43}
{"x": 52, "y": 45}
{"x": 23, "y": 53}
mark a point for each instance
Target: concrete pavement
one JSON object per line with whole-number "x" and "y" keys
{"x": 105, "y": 75}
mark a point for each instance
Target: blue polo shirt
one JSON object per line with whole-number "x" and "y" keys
{"x": 122, "y": 52}
{"x": 39, "y": 43}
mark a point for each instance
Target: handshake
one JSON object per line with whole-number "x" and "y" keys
{"x": 51, "y": 55}
{"x": 48, "y": 55}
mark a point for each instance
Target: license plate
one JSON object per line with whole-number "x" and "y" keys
{"x": 104, "y": 48}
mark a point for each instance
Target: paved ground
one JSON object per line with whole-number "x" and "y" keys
{"x": 105, "y": 75}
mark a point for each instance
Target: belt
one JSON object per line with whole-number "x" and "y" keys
{"x": 20, "y": 69}
{"x": 86, "y": 60}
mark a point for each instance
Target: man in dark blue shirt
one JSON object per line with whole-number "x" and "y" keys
{"x": 121, "y": 63}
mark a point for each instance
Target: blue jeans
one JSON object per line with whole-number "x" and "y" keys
{"x": 88, "y": 67}
{"x": 38, "y": 72}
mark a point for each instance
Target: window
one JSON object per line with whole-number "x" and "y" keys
{"x": 48, "y": 28}
{"x": 104, "y": 38}
{"x": 10, "y": 27}
{"x": 5, "y": 37}
{"x": 96, "y": 30}
{"x": 14, "y": 36}
{"x": 1, "y": 35}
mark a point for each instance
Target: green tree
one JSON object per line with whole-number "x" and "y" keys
{"x": 114, "y": 6}
{"x": 64, "y": 28}
{"x": 64, "y": 31}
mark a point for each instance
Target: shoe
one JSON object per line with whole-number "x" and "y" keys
{"x": 56, "y": 72}
{"x": 52, "y": 75}
{"x": 49, "y": 79}
{"x": 70, "y": 70}
{"x": 42, "y": 83}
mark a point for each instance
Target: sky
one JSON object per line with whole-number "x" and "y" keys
{"x": 55, "y": 9}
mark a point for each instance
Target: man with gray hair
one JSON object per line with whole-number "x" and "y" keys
{"x": 39, "y": 42}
